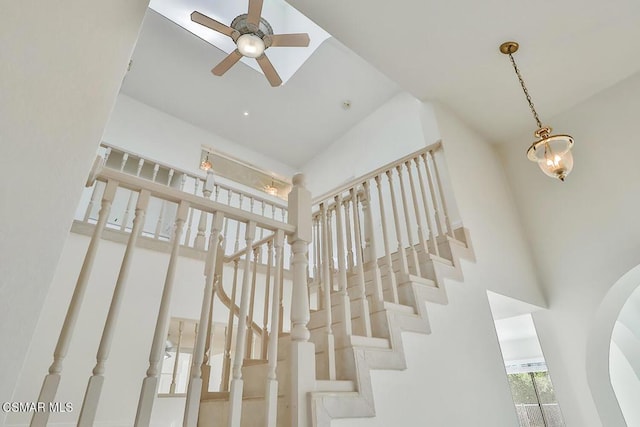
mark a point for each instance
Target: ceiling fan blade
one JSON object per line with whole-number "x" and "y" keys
{"x": 227, "y": 63}
{"x": 269, "y": 71}
{"x": 211, "y": 23}
{"x": 255, "y": 10}
{"x": 290, "y": 40}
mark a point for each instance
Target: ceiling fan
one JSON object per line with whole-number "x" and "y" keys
{"x": 252, "y": 35}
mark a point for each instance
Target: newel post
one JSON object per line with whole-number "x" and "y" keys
{"x": 302, "y": 350}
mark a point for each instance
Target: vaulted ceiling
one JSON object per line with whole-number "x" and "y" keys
{"x": 171, "y": 71}
{"x": 448, "y": 51}
{"x": 437, "y": 51}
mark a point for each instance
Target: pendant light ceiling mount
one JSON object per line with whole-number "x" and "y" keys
{"x": 509, "y": 47}
{"x": 551, "y": 152}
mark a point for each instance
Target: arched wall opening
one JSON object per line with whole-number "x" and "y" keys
{"x": 599, "y": 347}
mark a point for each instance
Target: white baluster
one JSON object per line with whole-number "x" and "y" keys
{"x": 226, "y": 366}
{"x": 237, "y": 383}
{"x": 52, "y": 379}
{"x": 226, "y": 225}
{"x": 174, "y": 374}
{"x": 391, "y": 277}
{"x": 326, "y": 275}
{"x": 125, "y": 157}
{"x": 371, "y": 254}
{"x": 125, "y": 218}
{"x": 150, "y": 382}
{"x": 94, "y": 387}
{"x": 347, "y": 220}
{"x": 443, "y": 199}
{"x": 316, "y": 252}
{"x": 207, "y": 190}
{"x": 281, "y": 302}
{"x": 206, "y": 363}
{"x": 434, "y": 199}
{"x": 252, "y": 299}
{"x": 416, "y": 209}
{"x": 187, "y": 238}
{"x": 107, "y": 153}
{"x": 342, "y": 269}
{"x": 267, "y": 290}
{"x": 92, "y": 202}
{"x": 364, "y": 303}
{"x": 156, "y": 168}
{"x": 405, "y": 208}
{"x": 271, "y": 389}
{"x": 236, "y": 246}
{"x": 402, "y": 255}
{"x": 262, "y": 214}
{"x": 431, "y": 236}
{"x": 194, "y": 389}
{"x": 330, "y": 229}
{"x": 163, "y": 208}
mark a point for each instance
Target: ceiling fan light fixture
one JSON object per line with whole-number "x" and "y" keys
{"x": 551, "y": 152}
{"x": 250, "y": 45}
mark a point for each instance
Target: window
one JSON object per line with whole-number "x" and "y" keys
{"x": 535, "y": 400}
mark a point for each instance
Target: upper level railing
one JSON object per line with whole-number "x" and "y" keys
{"x": 160, "y": 214}
{"x": 176, "y": 210}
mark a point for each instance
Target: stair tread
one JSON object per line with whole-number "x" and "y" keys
{"x": 372, "y": 342}
{"x": 335, "y": 386}
{"x": 398, "y": 307}
{"x": 251, "y": 362}
{"x": 216, "y": 396}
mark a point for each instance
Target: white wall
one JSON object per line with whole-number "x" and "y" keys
{"x": 487, "y": 209}
{"x": 585, "y": 236}
{"x": 626, "y": 385}
{"x": 387, "y": 134}
{"x": 624, "y": 361}
{"x": 61, "y": 70}
{"x": 455, "y": 376}
{"x": 145, "y": 130}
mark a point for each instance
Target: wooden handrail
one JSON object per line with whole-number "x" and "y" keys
{"x": 372, "y": 174}
{"x": 170, "y": 194}
{"x": 240, "y": 252}
{"x": 226, "y": 300}
{"x": 278, "y": 202}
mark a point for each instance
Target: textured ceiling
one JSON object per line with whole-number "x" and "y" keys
{"x": 448, "y": 51}
{"x": 171, "y": 72}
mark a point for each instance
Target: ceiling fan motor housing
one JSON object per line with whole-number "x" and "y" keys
{"x": 239, "y": 24}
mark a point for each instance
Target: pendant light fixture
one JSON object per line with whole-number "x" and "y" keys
{"x": 271, "y": 189}
{"x": 205, "y": 163}
{"x": 551, "y": 152}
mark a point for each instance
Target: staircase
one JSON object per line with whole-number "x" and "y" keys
{"x": 354, "y": 268}
{"x": 380, "y": 294}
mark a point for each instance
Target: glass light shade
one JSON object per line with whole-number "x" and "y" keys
{"x": 270, "y": 189}
{"x": 553, "y": 154}
{"x": 250, "y": 45}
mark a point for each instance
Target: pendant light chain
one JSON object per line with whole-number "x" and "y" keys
{"x": 526, "y": 92}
